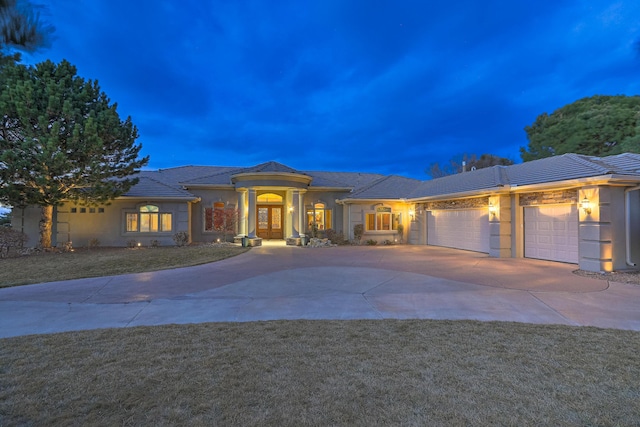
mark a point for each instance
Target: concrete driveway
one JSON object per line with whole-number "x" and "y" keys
{"x": 278, "y": 282}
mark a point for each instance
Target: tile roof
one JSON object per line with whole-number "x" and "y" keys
{"x": 148, "y": 187}
{"x": 388, "y": 187}
{"x": 171, "y": 182}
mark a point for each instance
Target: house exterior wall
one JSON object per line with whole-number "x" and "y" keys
{"x": 602, "y": 231}
{"x": 634, "y": 227}
{"x": 355, "y": 213}
{"x": 207, "y": 199}
{"x": 329, "y": 198}
{"x": 104, "y": 224}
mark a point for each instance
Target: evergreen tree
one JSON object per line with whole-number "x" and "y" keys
{"x": 61, "y": 139}
{"x": 596, "y": 126}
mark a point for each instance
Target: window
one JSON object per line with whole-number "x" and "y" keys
{"x": 221, "y": 217}
{"x": 319, "y": 216}
{"x": 382, "y": 220}
{"x": 269, "y": 198}
{"x": 149, "y": 219}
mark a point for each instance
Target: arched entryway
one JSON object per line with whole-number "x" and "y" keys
{"x": 270, "y": 215}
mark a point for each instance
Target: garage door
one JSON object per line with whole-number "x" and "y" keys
{"x": 551, "y": 232}
{"x": 461, "y": 229}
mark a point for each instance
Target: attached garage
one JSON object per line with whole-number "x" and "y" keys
{"x": 459, "y": 229}
{"x": 551, "y": 233}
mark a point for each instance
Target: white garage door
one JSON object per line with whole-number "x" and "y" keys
{"x": 461, "y": 229}
{"x": 551, "y": 232}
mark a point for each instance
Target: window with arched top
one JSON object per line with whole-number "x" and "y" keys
{"x": 319, "y": 217}
{"x": 149, "y": 219}
{"x": 382, "y": 220}
{"x": 269, "y": 198}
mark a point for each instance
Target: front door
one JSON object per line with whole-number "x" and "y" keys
{"x": 270, "y": 222}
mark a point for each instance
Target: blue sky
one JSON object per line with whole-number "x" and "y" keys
{"x": 377, "y": 86}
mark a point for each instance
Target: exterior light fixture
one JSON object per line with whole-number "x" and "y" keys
{"x": 412, "y": 213}
{"x": 493, "y": 211}
{"x": 290, "y": 209}
{"x": 139, "y": 244}
{"x": 585, "y": 205}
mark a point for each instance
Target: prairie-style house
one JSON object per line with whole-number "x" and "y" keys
{"x": 570, "y": 208}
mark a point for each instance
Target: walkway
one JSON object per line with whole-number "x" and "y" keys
{"x": 274, "y": 282}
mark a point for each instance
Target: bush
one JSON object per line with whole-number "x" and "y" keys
{"x": 181, "y": 238}
{"x": 155, "y": 243}
{"x": 94, "y": 243}
{"x": 336, "y": 237}
{"x": 132, "y": 243}
{"x": 372, "y": 242}
{"x": 11, "y": 239}
{"x": 358, "y": 231}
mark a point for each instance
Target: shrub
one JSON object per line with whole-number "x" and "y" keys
{"x": 400, "y": 230}
{"x": 154, "y": 243}
{"x": 358, "y": 231}
{"x": 336, "y": 237}
{"x": 181, "y": 238}
{"x": 11, "y": 239}
{"x": 94, "y": 243}
{"x": 372, "y": 242}
{"x": 132, "y": 243}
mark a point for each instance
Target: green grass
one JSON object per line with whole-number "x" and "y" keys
{"x": 97, "y": 262}
{"x": 291, "y": 373}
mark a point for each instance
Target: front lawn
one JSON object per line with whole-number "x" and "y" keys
{"x": 97, "y": 262}
{"x": 292, "y": 373}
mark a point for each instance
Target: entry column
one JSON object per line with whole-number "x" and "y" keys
{"x": 252, "y": 213}
{"x": 242, "y": 213}
{"x": 295, "y": 217}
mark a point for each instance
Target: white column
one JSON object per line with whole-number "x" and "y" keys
{"x": 252, "y": 213}
{"x": 301, "y": 213}
{"x": 242, "y": 213}
{"x": 295, "y": 216}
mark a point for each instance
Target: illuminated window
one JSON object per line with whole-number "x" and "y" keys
{"x": 149, "y": 219}
{"x": 269, "y": 198}
{"x": 319, "y": 216}
{"x": 382, "y": 220}
{"x": 221, "y": 217}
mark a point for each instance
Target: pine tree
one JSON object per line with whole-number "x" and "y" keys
{"x": 61, "y": 139}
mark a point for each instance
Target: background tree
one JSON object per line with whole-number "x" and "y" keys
{"x": 21, "y": 26}
{"x": 61, "y": 139}
{"x": 437, "y": 170}
{"x": 596, "y": 126}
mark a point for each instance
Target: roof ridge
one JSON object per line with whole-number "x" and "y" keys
{"x": 232, "y": 171}
{"x": 166, "y": 185}
{"x": 372, "y": 183}
{"x": 591, "y": 161}
{"x": 500, "y": 175}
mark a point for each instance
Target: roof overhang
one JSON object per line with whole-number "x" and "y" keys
{"x": 271, "y": 179}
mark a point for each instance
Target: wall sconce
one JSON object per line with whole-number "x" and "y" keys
{"x": 493, "y": 211}
{"x": 290, "y": 209}
{"x": 412, "y": 214}
{"x": 585, "y": 205}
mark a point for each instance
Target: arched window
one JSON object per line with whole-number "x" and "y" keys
{"x": 319, "y": 216}
{"x": 382, "y": 220}
{"x": 149, "y": 219}
{"x": 269, "y": 198}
